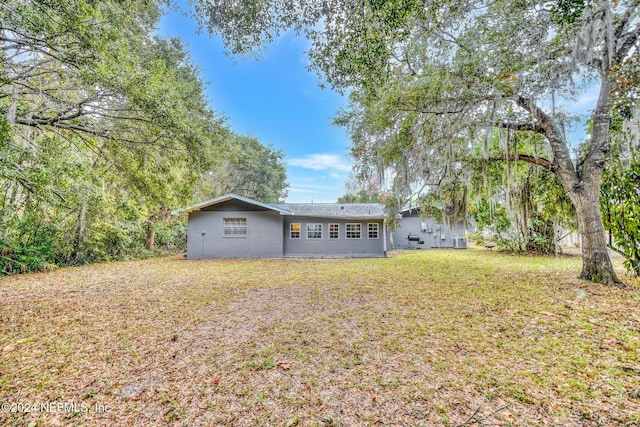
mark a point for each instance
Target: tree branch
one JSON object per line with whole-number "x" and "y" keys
{"x": 624, "y": 20}
{"x": 524, "y": 127}
{"x": 30, "y": 186}
{"x": 540, "y": 161}
{"x": 564, "y": 167}
{"x": 631, "y": 40}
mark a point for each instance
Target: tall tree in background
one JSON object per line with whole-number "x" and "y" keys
{"x": 362, "y": 191}
{"x": 361, "y": 196}
{"x": 249, "y": 169}
{"x": 104, "y": 127}
{"x": 445, "y": 69}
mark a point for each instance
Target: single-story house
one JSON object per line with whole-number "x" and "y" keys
{"x": 233, "y": 226}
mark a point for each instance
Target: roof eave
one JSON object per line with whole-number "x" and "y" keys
{"x": 226, "y": 198}
{"x": 354, "y": 218}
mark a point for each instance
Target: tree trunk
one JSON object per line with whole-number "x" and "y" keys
{"x": 151, "y": 234}
{"x": 78, "y": 245}
{"x": 583, "y": 184}
{"x": 596, "y": 263}
{"x": 585, "y": 195}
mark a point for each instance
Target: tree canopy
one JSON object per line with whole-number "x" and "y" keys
{"x": 249, "y": 169}
{"x": 91, "y": 74}
{"x": 104, "y": 128}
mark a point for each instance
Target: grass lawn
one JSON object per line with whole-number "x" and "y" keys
{"x": 431, "y": 337}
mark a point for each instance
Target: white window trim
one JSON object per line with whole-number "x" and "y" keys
{"x": 377, "y": 230}
{"x": 346, "y": 231}
{"x": 314, "y": 231}
{"x": 226, "y": 227}
{"x": 337, "y": 231}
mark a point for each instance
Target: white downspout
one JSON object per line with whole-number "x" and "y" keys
{"x": 384, "y": 236}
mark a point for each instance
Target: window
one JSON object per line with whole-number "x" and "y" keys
{"x": 314, "y": 231}
{"x": 295, "y": 231}
{"x": 353, "y": 231}
{"x": 373, "y": 230}
{"x": 334, "y": 231}
{"x": 235, "y": 227}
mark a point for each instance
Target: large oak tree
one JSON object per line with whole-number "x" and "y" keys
{"x": 456, "y": 66}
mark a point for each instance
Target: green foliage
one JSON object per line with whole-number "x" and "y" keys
{"x": 107, "y": 241}
{"x": 567, "y": 12}
{"x": 72, "y": 212}
{"x": 518, "y": 205}
{"x": 620, "y": 201}
{"x": 627, "y": 90}
{"x": 171, "y": 235}
{"x": 487, "y": 215}
{"x": 104, "y": 128}
{"x": 249, "y": 169}
{"x": 28, "y": 245}
{"x": 538, "y": 239}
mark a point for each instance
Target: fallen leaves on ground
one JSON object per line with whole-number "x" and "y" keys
{"x": 431, "y": 337}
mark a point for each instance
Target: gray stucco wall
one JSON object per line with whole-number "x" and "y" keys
{"x": 263, "y": 238}
{"x": 437, "y": 235}
{"x": 325, "y": 247}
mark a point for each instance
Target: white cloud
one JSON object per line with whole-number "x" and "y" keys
{"x": 301, "y": 190}
{"x": 583, "y": 103}
{"x": 304, "y": 187}
{"x": 586, "y": 102}
{"x": 320, "y": 162}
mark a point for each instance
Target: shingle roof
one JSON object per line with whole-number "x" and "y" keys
{"x": 335, "y": 210}
{"x": 323, "y": 210}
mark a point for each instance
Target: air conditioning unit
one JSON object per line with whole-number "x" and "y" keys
{"x": 459, "y": 243}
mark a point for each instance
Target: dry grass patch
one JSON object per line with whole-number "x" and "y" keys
{"x": 436, "y": 337}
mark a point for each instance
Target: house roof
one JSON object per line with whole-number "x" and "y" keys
{"x": 322, "y": 210}
{"x": 227, "y": 197}
{"x": 336, "y": 210}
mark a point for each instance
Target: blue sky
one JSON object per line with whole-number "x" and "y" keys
{"x": 277, "y": 100}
